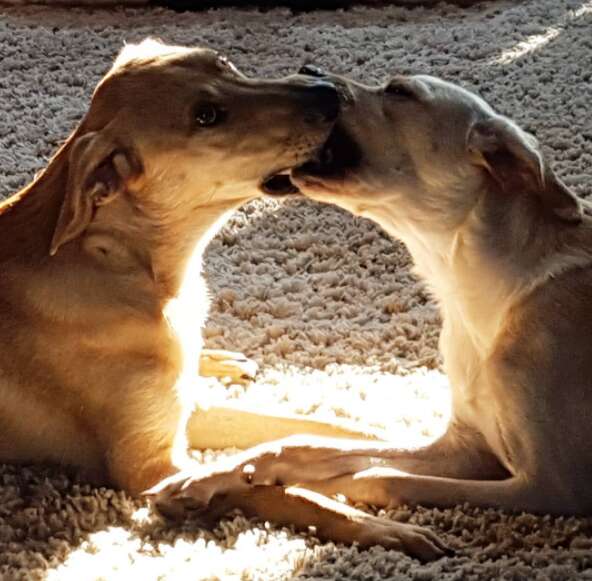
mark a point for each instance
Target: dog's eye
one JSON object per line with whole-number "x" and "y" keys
{"x": 207, "y": 115}
{"x": 398, "y": 89}
{"x": 311, "y": 71}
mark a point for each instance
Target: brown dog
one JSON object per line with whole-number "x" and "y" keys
{"x": 101, "y": 294}
{"x": 100, "y": 262}
{"x": 507, "y": 251}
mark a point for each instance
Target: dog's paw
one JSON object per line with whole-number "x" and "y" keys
{"x": 227, "y": 365}
{"x": 412, "y": 540}
{"x": 171, "y": 499}
{"x": 185, "y": 494}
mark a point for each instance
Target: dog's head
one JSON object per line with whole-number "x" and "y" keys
{"x": 179, "y": 130}
{"x": 427, "y": 150}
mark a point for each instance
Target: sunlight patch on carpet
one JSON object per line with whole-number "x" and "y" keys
{"x": 537, "y": 41}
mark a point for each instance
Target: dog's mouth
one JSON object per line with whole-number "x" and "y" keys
{"x": 279, "y": 184}
{"x": 338, "y": 155}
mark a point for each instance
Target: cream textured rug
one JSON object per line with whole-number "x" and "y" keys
{"x": 324, "y": 302}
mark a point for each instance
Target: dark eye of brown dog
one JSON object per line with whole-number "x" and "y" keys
{"x": 399, "y": 90}
{"x": 207, "y": 115}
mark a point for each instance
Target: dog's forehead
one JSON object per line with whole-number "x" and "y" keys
{"x": 151, "y": 53}
{"x": 151, "y": 71}
{"x": 451, "y": 92}
{"x": 202, "y": 59}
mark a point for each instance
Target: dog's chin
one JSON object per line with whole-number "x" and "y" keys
{"x": 334, "y": 161}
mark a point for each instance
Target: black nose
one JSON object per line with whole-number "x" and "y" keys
{"x": 311, "y": 71}
{"x": 322, "y": 102}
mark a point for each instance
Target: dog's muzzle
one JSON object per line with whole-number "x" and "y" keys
{"x": 322, "y": 103}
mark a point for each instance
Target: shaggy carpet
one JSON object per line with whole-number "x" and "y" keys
{"x": 323, "y": 301}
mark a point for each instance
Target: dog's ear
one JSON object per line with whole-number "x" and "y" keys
{"x": 515, "y": 161}
{"x": 98, "y": 170}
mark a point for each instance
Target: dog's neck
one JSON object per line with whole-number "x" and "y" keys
{"x": 165, "y": 251}
{"x": 164, "y": 257}
{"x": 501, "y": 251}
{"x": 177, "y": 251}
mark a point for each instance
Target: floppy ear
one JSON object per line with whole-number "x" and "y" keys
{"x": 98, "y": 170}
{"x": 516, "y": 162}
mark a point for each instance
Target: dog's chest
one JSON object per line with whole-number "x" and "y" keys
{"x": 464, "y": 364}
{"x": 473, "y": 402}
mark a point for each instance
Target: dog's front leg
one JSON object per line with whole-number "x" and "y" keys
{"x": 459, "y": 453}
{"x": 145, "y": 439}
{"x": 278, "y": 462}
{"x": 308, "y": 459}
{"x": 387, "y": 487}
{"x": 238, "y": 426}
{"x": 330, "y": 520}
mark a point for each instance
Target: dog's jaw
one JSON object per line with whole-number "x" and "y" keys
{"x": 338, "y": 155}
{"x": 279, "y": 184}
{"x": 323, "y": 173}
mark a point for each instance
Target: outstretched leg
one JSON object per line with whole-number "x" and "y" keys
{"x": 387, "y": 487}
{"x": 330, "y": 520}
{"x": 236, "y": 426}
{"x": 306, "y": 459}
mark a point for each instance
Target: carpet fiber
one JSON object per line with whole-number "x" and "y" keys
{"x": 323, "y": 301}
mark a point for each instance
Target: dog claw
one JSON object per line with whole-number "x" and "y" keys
{"x": 227, "y": 365}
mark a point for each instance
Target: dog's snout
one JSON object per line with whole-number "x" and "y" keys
{"x": 322, "y": 102}
{"x": 311, "y": 71}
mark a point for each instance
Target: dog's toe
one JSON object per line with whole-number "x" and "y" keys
{"x": 417, "y": 542}
{"x": 227, "y": 365}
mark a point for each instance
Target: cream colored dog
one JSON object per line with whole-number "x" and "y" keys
{"x": 506, "y": 250}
